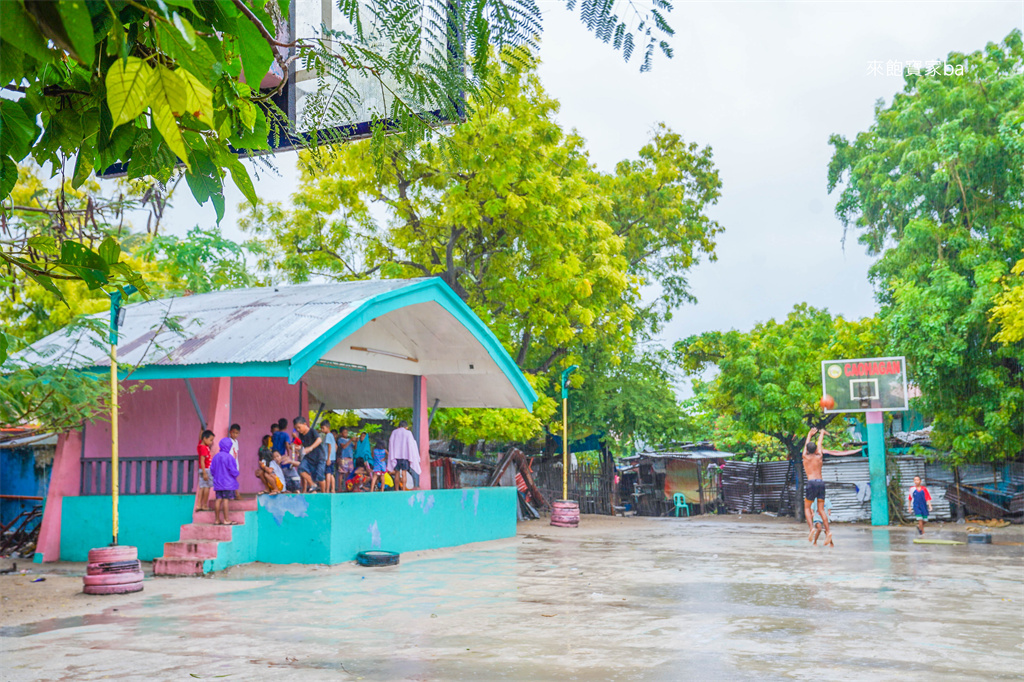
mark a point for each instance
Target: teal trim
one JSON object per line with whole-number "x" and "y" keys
{"x": 424, "y": 291}
{"x": 213, "y": 369}
{"x": 146, "y": 522}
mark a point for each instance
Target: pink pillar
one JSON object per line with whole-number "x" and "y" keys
{"x": 421, "y": 428}
{"x": 64, "y": 482}
{"x": 219, "y": 414}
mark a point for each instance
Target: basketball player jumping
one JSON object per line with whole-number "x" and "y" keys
{"x": 814, "y": 489}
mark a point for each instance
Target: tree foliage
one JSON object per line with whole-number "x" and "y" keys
{"x": 51, "y": 395}
{"x": 768, "y": 380}
{"x": 551, "y": 253}
{"x": 935, "y": 188}
{"x": 148, "y": 85}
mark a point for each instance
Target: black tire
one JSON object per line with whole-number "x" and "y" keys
{"x": 377, "y": 558}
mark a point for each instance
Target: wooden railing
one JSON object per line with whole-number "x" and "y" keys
{"x": 174, "y": 475}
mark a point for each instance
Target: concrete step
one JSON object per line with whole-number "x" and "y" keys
{"x": 177, "y": 566}
{"x": 243, "y": 504}
{"x": 206, "y": 531}
{"x": 207, "y": 517}
{"x": 191, "y": 549}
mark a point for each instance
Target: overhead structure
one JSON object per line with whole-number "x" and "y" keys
{"x": 354, "y": 344}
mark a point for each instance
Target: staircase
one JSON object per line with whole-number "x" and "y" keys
{"x": 204, "y": 547}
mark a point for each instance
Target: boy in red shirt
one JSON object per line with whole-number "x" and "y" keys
{"x": 205, "y": 479}
{"x": 921, "y": 501}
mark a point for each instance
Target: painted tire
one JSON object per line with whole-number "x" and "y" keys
{"x": 113, "y": 589}
{"x": 109, "y": 554}
{"x": 565, "y": 513}
{"x": 113, "y": 567}
{"x": 377, "y": 558}
{"x": 113, "y": 579}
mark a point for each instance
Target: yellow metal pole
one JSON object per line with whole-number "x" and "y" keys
{"x": 565, "y": 448}
{"x": 113, "y": 435}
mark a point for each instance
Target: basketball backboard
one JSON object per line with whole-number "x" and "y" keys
{"x": 323, "y": 106}
{"x": 865, "y": 384}
{"x": 339, "y": 92}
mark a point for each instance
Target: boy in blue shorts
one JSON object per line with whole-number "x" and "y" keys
{"x": 921, "y": 502}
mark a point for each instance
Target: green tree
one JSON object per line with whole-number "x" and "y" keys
{"x": 549, "y": 252}
{"x": 151, "y": 84}
{"x": 935, "y": 188}
{"x": 768, "y": 380}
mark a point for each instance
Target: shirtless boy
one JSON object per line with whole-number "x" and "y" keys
{"x": 814, "y": 489}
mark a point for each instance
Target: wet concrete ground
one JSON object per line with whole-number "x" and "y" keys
{"x": 617, "y": 599}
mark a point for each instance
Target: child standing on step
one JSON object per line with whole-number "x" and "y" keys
{"x": 205, "y": 478}
{"x": 225, "y": 482}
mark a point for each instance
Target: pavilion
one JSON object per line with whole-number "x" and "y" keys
{"x": 251, "y": 356}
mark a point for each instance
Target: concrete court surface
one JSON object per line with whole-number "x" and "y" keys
{"x": 717, "y": 598}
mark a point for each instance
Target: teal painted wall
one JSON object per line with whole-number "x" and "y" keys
{"x": 146, "y": 522}
{"x": 300, "y": 529}
{"x": 394, "y": 521}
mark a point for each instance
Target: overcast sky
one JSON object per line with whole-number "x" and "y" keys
{"x": 765, "y": 84}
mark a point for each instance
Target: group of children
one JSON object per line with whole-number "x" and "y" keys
{"x": 303, "y": 461}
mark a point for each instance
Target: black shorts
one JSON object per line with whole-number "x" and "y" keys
{"x": 403, "y": 465}
{"x": 225, "y": 494}
{"x": 814, "y": 489}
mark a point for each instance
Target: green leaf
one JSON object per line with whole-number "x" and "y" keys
{"x": 8, "y": 176}
{"x": 128, "y": 89}
{"x": 46, "y": 282}
{"x": 21, "y": 31}
{"x": 256, "y": 53}
{"x": 3, "y": 348}
{"x": 183, "y": 3}
{"x": 12, "y": 63}
{"x": 110, "y": 250}
{"x": 257, "y": 138}
{"x": 78, "y": 24}
{"x": 240, "y": 174}
{"x": 197, "y": 57}
{"x": 83, "y": 165}
{"x": 198, "y": 98}
{"x": 17, "y": 130}
{"x": 168, "y": 100}
{"x": 44, "y": 244}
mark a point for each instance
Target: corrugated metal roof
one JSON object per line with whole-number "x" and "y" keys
{"x": 265, "y": 324}
{"x": 44, "y": 439}
{"x": 688, "y": 454}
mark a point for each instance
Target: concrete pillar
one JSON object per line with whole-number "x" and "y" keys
{"x": 65, "y": 479}
{"x": 421, "y": 427}
{"x": 876, "y": 467}
{"x": 219, "y": 415}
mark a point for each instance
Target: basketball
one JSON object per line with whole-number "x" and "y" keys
{"x": 828, "y": 402}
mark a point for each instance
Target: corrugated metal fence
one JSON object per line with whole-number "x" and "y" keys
{"x": 771, "y": 486}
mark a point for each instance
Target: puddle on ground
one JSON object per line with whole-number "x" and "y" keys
{"x": 51, "y": 624}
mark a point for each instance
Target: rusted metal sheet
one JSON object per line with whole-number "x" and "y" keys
{"x": 266, "y": 324}
{"x": 975, "y": 504}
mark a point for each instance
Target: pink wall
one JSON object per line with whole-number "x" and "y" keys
{"x": 256, "y": 402}
{"x": 64, "y": 478}
{"x": 161, "y": 421}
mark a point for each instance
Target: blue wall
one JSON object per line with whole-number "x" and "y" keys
{"x": 19, "y": 476}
